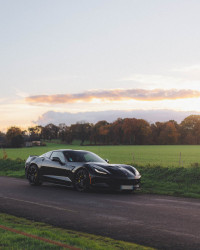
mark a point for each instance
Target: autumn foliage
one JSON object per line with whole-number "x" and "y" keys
{"x": 128, "y": 131}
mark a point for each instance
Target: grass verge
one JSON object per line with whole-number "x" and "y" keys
{"x": 12, "y": 168}
{"x": 171, "y": 181}
{"x": 10, "y": 240}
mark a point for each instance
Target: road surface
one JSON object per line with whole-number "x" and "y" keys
{"x": 158, "y": 221}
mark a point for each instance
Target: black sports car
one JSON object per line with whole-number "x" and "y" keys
{"x": 81, "y": 169}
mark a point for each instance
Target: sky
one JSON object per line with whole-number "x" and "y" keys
{"x": 78, "y": 56}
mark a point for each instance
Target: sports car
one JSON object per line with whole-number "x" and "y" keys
{"x": 80, "y": 169}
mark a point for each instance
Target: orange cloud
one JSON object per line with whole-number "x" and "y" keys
{"x": 116, "y": 95}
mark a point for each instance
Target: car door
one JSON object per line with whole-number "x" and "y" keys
{"x": 57, "y": 170}
{"x": 45, "y": 163}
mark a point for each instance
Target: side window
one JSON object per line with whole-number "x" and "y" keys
{"x": 59, "y": 155}
{"x": 88, "y": 157}
{"x": 69, "y": 157}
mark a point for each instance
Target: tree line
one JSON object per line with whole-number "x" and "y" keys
{"x": 128, "y": 131}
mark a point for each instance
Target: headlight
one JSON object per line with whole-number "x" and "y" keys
{"x": 137, "y": 172}
{"x": 100, "y": 172}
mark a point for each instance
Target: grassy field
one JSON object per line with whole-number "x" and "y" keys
{"x": 165, "y": 156}
{"x": 11, "y": 240}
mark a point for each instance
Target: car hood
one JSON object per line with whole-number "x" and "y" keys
{"x": 116, "y": 169}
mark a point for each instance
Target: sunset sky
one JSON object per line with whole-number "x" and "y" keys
{"x": 77, "y": 56}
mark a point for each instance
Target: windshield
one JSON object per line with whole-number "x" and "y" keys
{"x": 82, "y": 156}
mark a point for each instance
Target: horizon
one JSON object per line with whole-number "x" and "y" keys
{"x": 92, "y": 117}
{"x": 72, "y": 57}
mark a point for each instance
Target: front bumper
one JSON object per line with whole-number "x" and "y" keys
{"x": 115, "y": 183}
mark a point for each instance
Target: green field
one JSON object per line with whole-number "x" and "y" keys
{"x": 165, "y": 156}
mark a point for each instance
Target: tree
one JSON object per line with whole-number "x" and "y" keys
{"x": 142, "y": 132}
{"x": 2, "y": 139}
{"x": 65, "y": 133}
{"x": 100, "y": 132}
{"x": 190, "y": 130}
{"x": 2, "y": 134}
{"x": 35, "y": 132}
{"x": 116, "y": 131}
{"x": 169, "y": 134}
{"x": 129, "y": 130}
{"x": 50, "y": 132}
{"x": 14, "y": 137}
{"x": 81, "y": 131}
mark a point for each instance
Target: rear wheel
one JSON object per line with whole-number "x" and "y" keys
{"x": 33, "y": 175}
{"x": 81, "y": 180}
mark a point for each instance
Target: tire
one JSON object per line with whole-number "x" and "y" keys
{"x": 81, "y": 180}
{"x": 33, "y": 176}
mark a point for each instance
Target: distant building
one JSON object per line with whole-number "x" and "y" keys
{"x": 28, "y": 144}
{"x": 36, "y": 143}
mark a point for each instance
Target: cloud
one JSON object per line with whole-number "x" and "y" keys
{"x": 190, "y": 68}
{"x": 116, "y": 95}
{"x": 152, "y": 79}
{"x": 151, "y": 116}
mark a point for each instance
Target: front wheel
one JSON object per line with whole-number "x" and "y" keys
{"x": 81, "y": 180}
{"x": 33, "y": 175}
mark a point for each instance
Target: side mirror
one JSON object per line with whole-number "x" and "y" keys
{"x": 57, "y": 159}
{"x": 107, "y": 160}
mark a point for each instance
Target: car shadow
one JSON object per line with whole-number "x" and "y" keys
{"x": 91, "y": 191}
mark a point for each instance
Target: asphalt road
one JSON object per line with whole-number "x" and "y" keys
{"x": 162, "y": 222}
